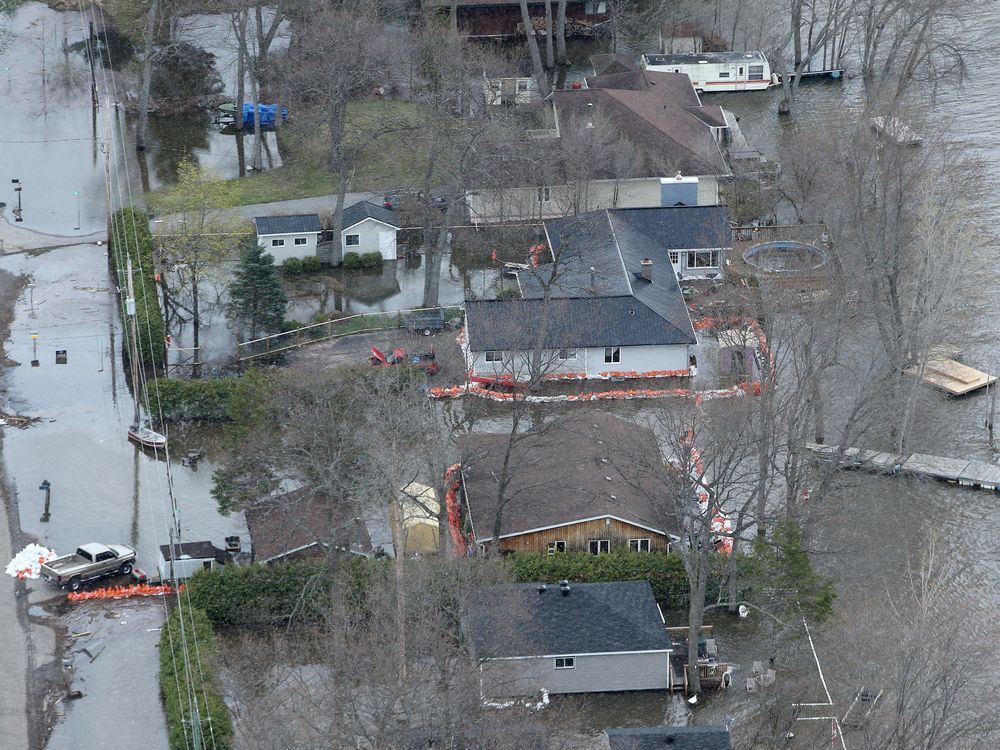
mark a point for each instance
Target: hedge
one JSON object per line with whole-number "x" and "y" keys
{"x": 204, "y": 399}
{"x": 130, "y": 238}
{"x": 217, "y": 727}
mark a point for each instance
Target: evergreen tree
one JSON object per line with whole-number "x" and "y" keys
{"x": 256, "y": 298}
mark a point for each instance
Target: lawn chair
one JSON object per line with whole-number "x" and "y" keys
{"x": 751, "y": 685}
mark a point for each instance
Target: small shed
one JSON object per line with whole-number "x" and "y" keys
{"x": 181, "y": 561}
{"x": 369, "y": 228}
{"x": 288, "y": 236}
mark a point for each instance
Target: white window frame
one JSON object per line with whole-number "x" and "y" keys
{"x": 603, "y": 546}
{"x": 493, "y": 355}
{"x": 639, "y": 545}
{"x": 755, "y": 73}
{"x": 565, "y": 354}
{"x": 301, "y": 241}
{"x": 675, "y": 257}
{"x": 723, "y": 74}
{"x": 544, "y": 195}
{"x": 565, "y": 662}
{"x": 355, "y": 237}
{"x": 694, "y": 262}
{"x": 522, "y": 85}
{"x": 612, "y": 355}
{"x": 277, "y": 243}
{"x": 557, "y": 546}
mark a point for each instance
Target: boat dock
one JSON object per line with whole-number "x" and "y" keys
{"x": 976, "y": 474}
{"x": 951, "y": 376}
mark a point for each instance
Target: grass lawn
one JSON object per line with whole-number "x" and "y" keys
{"x": 393, "y": 146}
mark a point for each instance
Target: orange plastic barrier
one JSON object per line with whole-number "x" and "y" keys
{"x": 123, "y": 592}
{"x": 451, "y": 503}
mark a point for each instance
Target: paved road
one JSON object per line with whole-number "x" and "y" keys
{"x": 15, "y": 239}
{"x": 324, "y": 203}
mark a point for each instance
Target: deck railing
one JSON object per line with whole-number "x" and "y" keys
{"x": 776, "y": 232}
{"x": 329, "y": 329}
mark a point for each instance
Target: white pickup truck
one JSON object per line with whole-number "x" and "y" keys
{"x": 90, "y": 561}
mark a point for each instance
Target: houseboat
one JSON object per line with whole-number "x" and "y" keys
{"x": 716, "y": 71}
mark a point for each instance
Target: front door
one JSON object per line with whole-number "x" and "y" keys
{"x": 741, "y": 78}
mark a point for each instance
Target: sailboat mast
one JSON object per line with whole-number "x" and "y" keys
{"x": 133, "y": 339}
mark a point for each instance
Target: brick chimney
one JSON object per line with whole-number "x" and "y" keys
{"x": 647, "y": 269}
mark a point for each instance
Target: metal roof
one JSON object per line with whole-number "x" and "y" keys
{"x": 695, "y": 58}
{"x": 299, "y": 224}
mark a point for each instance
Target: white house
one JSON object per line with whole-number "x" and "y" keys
{"x": 369, "y": 228}
{"x": 288, "y": 236}
{"x": 614, "y": 307}
{"x": 181, "y": 561}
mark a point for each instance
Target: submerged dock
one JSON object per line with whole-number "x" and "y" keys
{"x": 976, "y": 474}
{"x": 951, "y": 376}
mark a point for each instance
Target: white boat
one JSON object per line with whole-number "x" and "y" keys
{"x": 146, "y": 436}
{"x": 716, "y": 71}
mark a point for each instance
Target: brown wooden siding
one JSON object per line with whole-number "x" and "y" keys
{"x": 578, "y": 535}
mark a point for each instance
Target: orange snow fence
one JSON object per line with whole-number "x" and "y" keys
{"x": 123, "y": 592}
{"x": 453, "y": 483}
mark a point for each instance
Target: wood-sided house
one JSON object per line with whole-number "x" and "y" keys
{"x": 565, "y": 489}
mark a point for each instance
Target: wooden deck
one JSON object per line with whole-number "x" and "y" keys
{"x": 976, "y": 474}
{"x": 951, "y": 376}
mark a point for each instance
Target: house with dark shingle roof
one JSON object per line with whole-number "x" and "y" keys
{"x": 604, "y": 299}
{"x": 691, "y": 737}
{"x": 566, "y": 492}
{"x": 571, "y": 638}
{"x": 369, "y": 228}
{"x": 288, "y": 236}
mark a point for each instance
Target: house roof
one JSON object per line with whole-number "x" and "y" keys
{"x": 669, "y": 738}
{"x": 301, "y": 519}
{"x": 287, "y": 224}
{"x": 193, "y": 551}
{"x": 612, "y": 62}
{"x": 367, "y": 210}
{"x": 567, "y": 463}
{"x": 595, "y": 618}
{"x": 611, "y": 305}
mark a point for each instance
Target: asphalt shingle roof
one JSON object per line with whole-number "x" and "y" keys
{"x": 515, "y": 620}
{"x": 287, "y": 224}
{"x": 669, "y": 738}
{"x": 368, "y": 210}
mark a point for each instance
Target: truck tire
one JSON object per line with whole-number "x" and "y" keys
{"x": 125, "y": 569}
{"x": 74, "y": 583}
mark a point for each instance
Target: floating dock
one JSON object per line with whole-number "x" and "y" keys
{"x": 976, "y": 474}
{"x": 951, "y": 376}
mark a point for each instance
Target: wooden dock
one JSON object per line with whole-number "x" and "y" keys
{"x": 951, "y": 376}
{"x": 976, "y": 474}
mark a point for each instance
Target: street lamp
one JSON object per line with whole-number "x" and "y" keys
{"x": 17, "y": 189}
{"x": 77, "y": 194}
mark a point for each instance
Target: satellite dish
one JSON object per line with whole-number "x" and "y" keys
{"x": 744, "y": 611}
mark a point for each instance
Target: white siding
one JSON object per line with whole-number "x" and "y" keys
{"x": 591, "y": 674}
{"x": 183, "y": 569}
{"x": 373, "y": 237}
{"x": 588, "y": 361}
{"x": 289, "y": 249}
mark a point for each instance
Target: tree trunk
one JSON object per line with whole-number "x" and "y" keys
{"x": 536, "y": 58}
{"x": 435, "y": 254}
{"x": 148, "y": 42}
{"x": 550, "y": 59}
{"x": 561, "y": 32}
{"x": 195, "y": 328}
{"x": 696, "y": 616}
{"x": 338, "y": 213}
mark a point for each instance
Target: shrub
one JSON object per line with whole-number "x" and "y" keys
{"x": 204, "y": 399}
{"x": 292, "y": 266}
{"x": 291, "y": 325}
{"x": 130, "y": 238}
{"x": 509, "y": 293}
{"x": 371, "y": 260}
{"x": 319, "y": 318}
{"x": 190, "y": 659}
{"x": 311, "y": 264}
{"x": 352, "y": 261}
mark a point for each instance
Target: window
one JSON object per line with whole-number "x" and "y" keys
{"x": 638, "y": 545}
{"x": 704, "y": 259}
{"x": 612, "y": 355}
{"x": 559, "y": 546}
{"x": 756, "y": 73}
{"x": 723, "y": 74}
{"x": 102, "y": 556}
{"x": 600, "y": 546}
{"x": 567, "y": 354}
{"x": 675, "y": 257}
{"x": 741, "y": 73}
{"x": 277, "y": 243}
{"x": 565, "y": 662}
{"x": 494, "y": 356}
{"x": 353, "y": 240}
{"x": 522, "y": 84}
{"x": 301, "y": 240}
{"x": 543, "y": 195}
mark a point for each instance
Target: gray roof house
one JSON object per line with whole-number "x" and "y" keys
{"x": 569, "y": 638}
{"x": 614, "y": 306}
{"x": 288, "y": 236}
{"x": 369, "y": 228}
{"x": 691, "y": 737}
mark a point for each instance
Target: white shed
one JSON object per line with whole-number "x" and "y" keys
{"x": 181, "y": 561}
{"x": 369, "y": 228}
{"x": 288, "y": 236}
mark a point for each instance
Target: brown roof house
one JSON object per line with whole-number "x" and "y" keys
{"x": 632, "y": 139}
{"x": 566, "y": 489}
{"x": 303, "y": 524}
